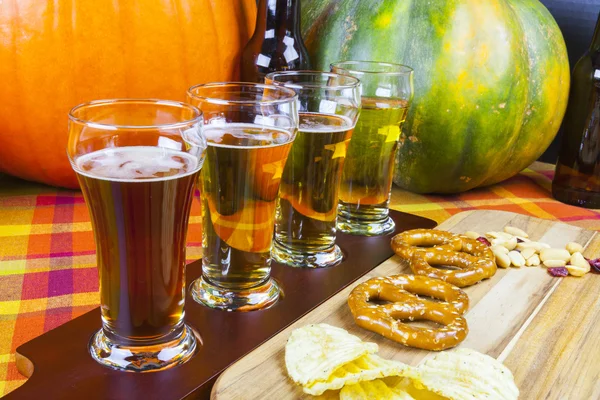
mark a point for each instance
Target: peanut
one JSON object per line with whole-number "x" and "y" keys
{"x": 554, "y": 254}
{"x": 528, "y": 252}
{"x": 578, "y": 265}
{"x": 516, "y": 258}
{"x": 472, "y": 234}
{"x": 533, "y": 261}
{"x": 499, "y": 235}
{"x": 499, "y": 248}
{"x": 535, "y": 245}
{"x": 502, "y": 260}
{"x": 554, "y": 263}
{"x": 511, "y": 230}
{"x": 498, "y": 242}
{"x": 510, "y": 244}
{"x": 573, "y": 247}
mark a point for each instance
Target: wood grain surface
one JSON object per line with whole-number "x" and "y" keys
{"x": 545, "y": 329}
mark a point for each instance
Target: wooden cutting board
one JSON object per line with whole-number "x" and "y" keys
{"x": 545, "y": 329}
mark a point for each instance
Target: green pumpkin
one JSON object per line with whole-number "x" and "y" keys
{"x": 491, "y": 80}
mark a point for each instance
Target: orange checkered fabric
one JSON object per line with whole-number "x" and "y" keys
{"x": 47, "y": 257}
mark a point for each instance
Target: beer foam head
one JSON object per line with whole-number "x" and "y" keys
{"x": 315, "y": 122}
{"x": 136, "y": 163}
{"x": 245, "y": 135}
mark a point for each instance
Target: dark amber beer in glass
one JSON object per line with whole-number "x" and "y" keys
{"x": 137, "y": 162}
{"x": 139, "y": 200}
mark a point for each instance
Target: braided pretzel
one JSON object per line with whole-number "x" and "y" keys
{"x": 402, "y": 291}
{"x": 404, "y": 244}
{"x": 475, "y": 262}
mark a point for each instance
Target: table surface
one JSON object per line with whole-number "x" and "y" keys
{"x": 47, "y": 256}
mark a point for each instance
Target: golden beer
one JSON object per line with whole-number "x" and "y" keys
{"x": 305, "y": 226}
{"x": 239, "y": 184}
{"x": 368, "y": 172}
{"x": 387, "y": 90}
{"x": 308, "y": 196}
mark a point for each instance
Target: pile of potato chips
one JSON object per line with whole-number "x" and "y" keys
{"x": 329, "y": 362}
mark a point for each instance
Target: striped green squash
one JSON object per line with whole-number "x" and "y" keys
{"x": 491, "y": 80}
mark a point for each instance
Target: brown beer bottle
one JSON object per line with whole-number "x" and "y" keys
{"x": 276, "y": 44}
{"x": 577, "y": 176}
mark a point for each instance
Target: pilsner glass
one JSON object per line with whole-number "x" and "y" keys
{"x": 137, "y": 162}
{"x": 386, "y": 94}
{"x": 329, "y": 105}
{"x": 250, "y": 129}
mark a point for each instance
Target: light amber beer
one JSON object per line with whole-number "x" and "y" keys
{"x": 308, "y": 196}
{"x": 139, "y": 200}
{"x": 239, "y": 184}
{"x": 367, "y": 177}
{"x": 386, "y": 94}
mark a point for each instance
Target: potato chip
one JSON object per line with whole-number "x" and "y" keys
{"x": 465, "y": 374}
{"x": 365, "y": 368}
{"x": 313, "y": 352}
{"x": 376, "y": 389}
{"x": 325, "y": 359}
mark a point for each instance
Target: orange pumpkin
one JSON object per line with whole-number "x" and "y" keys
{"x": 57, "y": 54}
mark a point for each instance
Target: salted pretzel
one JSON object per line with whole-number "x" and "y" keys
{"x": 474, "y": 262}
{"x": 403, "y": 291}
{"x": 406, "y": 243}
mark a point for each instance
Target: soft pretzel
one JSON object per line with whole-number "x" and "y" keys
{"x": 474, "y": 262}
{"x": 403, "y": 292}
{"x": 406, "y": 243}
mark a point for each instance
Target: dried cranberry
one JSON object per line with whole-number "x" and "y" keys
{"x": 483, "y": 240}
{"x": 595, "y": 264}
{"x": 558, "y": 271}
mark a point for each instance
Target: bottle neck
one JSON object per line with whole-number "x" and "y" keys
{"x": 595, "y": 46}
{"x": 278, "y": 17}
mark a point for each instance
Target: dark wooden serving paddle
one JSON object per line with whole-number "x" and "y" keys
{"x": 59, "y": 366}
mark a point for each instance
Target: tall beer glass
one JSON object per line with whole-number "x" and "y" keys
{"x": 329, "y": 105}
{"x": 386, "y": 94}
{"x": 137, "y": 162}
{"x": 250, "y": 129}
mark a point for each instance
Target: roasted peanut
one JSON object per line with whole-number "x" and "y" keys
{"x": 499, "y": 248}
{"x": 554, "y": 263}
{"x": 573, "y": 247}
{"x": 510, "y": 244}
{"x": 511, "y": 230}
{"x": 472, "y": 234}
{"x": 578, "y": 265}
{"x": 516, "y": 258}
{"x": 554, "y": 254}
{"x": 535, "y": 245}
{"x": 502, "y": 260}
{"x": 499, "y": 235}
{"x": 528, "y": 252}
{"x": 533, "y": 261}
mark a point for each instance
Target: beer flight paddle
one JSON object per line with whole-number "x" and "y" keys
{"x": 59, "y": 365}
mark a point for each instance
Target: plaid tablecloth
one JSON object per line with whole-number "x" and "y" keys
{"x": 47, "y": 257}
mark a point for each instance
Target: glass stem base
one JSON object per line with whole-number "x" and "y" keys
{"x": 306, "y": 259}
{"x": 258, "y": 297}
{"x": 143, "y": 357}
{"x": 364, "y": 220}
